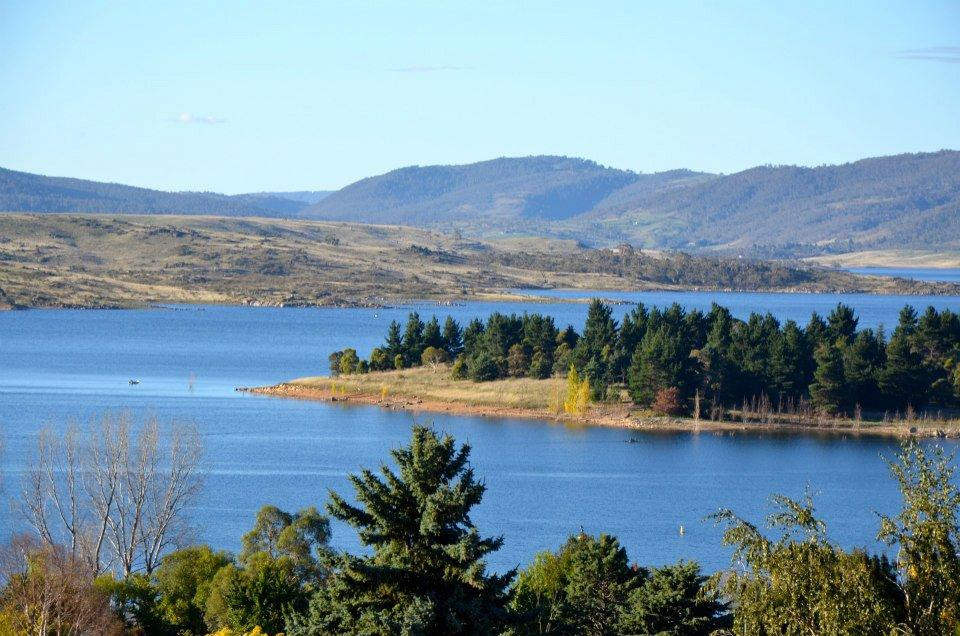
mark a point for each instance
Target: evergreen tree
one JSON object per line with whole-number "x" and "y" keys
{"x": 862, "y": 361}
{"x": 829, "y": 391}
{"x": 472, "y": 336}
{"x": 426, "y": 562}
{"x": 816, "y": 331}
{"x": 432, "y": 337}
{"x": 675, "y": 600}
{"x": 660, "y": 362}
{"x": 413, "y": 340}
{"x": 452, "y": 338}
{"x": 903, "y": 380}
{"x": 394, "y": 343}
{"x": 842, "y": 324}
{"x": 790, "y": 372}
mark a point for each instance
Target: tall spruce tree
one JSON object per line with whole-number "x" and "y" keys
{"x": 413, "y": 340}
{"x": 903, "y": 380}
{"x": 452, "y": 337}
{"x": 393, "y": 346}
{"x": 829, "y": 391}
{"x": 660, "y": 362}
{"x": 425, "y": 573}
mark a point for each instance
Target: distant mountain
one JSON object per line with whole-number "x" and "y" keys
{"x": 902, "y": 201}
{"x": 515, "y": 194}
{"x": 307, "y": 197}
{"x": 910, "y": 200}
{"x": 25, "y": 192}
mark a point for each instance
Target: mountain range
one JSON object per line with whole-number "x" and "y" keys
{"x": 900, "y": 201}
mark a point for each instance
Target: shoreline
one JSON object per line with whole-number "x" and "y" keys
{"x": 621, "y": 416}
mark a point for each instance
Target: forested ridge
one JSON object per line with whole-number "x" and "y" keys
{"x": 682, "y": 362}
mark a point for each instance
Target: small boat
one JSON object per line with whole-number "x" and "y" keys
{"x": 132, "y": 381}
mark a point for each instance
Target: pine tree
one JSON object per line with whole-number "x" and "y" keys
{"x": 660, "y": 362}
{"x": 903, "y": 380}
{"x": 789, "y": 368}
{"x": 829, "y": 391}
{"x": 426, "y": 570}
{"x": 431, "y": 334}
{"x": 862, "y": 361}
{"x": 394, "y": 343}
{"x": 413, "y": 340}
{"x": 842, "y": 324}
{"x": 452, "y": 337}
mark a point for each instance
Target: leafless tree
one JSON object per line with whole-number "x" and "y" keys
{"x": 116, "y": 501}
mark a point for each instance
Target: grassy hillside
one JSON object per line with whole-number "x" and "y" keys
{"x": 53, "y": 260}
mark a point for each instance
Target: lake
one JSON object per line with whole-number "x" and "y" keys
{"x": 930, "y": 274}
{"x": 545, "y": 481}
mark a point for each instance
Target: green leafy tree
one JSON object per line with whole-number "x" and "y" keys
{"x": 349, "y": 361}
{"x": 183, "y": 582}
{"x": 926, "y": 534}
{"x": 801, "y": 583}
{"x": 426, "y": 565}
{"x": 302, "y": 538}
{"x": 433, "y": 357}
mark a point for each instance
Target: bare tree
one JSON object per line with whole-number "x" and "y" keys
{"x": 116, "y": 501}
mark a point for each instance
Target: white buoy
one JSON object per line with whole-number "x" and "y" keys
{"x": 682, "y": 531}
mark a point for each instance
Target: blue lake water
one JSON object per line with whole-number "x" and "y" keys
{"x": 545, "y": 481}
{"x": 931, "y": 274}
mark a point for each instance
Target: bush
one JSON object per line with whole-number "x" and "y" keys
{"x": 667, "y": 402}
{"x": 483, "y": 368}
{"x": 460, "y": 371}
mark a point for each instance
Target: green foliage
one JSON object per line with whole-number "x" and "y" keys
{"x": 349, "y": 362}
{"x": 927, "y": 537}
{"x": 302, "y": 538}
{"x": 801, "y": 583}
{"x": 426, "y": 564}
{"x": 660, "y": 362}
{"x": 581, "y": 589}
{"x": 260, "y": 594}
{"x": 674, "y": 600}
{"x": 183, "y": 582}
{"x": 829, "y": 392}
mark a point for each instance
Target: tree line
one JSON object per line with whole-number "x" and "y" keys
{"x": 681, "y": 362}
{"x": 423, "y": 570}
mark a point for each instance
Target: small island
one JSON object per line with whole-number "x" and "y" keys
{"x": 664, "y": 369}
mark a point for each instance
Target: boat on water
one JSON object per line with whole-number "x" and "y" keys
{"x": 132, "y": 381}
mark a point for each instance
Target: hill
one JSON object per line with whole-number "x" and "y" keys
{"x": 909, "y": 201}
{"x": 60, "y": 260}
{"x": 25, "y": 192}
{"x": 513, "y": 195}
{"x": 902, "y": 201}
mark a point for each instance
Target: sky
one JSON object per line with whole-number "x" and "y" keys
{"x": 256, "y": 96}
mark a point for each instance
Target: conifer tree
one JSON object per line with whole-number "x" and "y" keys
{"x": 452, "y": 337}
{"x": 394, "y": 343}
{"x": 903, "y": 379}
{"x": 426, "y": 572}
{"x": 660, "y": 362}
{"x": 829, "y": 390}
{"x": 842, "y": 324}
{"x": 413, "y": 340}
{"x": 432, "y": 336}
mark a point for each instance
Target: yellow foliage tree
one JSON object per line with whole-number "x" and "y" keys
{"x": 578, "y": 393}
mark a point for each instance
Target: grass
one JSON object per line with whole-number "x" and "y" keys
{"x": 71, "y": 260}
{"x": 422, "y": 383}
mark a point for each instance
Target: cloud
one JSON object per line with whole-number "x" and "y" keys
{"x": 945, "y": 54}
{"x": 187, "y": 118}
{"x": 428, "y": 69}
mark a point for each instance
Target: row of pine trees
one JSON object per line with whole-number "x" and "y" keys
{"x": 696, "y": 357}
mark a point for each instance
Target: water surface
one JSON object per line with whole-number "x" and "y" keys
{"x": 545, "y": 481}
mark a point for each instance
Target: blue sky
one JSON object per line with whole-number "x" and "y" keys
{"x": 249, "y": 96}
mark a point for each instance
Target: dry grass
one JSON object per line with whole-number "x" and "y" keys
{"x": 890, "y": 258}
{"x": 424, "y": 384}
